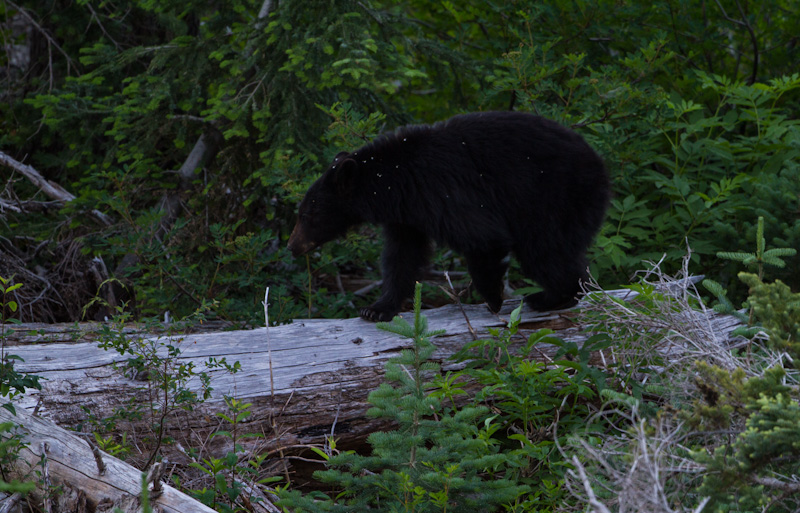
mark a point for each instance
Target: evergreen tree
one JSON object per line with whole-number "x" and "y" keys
{"x": 437, "y": 459}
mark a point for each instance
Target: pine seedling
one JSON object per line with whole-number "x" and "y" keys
{"x": 758, "y": 259}
{"x": 438, "y": 459}
{"x": 762, "y": 256}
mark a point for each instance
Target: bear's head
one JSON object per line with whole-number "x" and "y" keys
{"x": 326, "y": 210}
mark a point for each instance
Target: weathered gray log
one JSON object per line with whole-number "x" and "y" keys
{"x": 67, "y": 461}
{"x": 321, "y": 374}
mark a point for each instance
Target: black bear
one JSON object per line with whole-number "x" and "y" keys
{"x": 485, "y": 184}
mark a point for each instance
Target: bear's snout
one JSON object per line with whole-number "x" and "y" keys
{"x": 299, "y": 243}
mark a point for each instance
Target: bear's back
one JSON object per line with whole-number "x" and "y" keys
{"x": 495, "y": 169}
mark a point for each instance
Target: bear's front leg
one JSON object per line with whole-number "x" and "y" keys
{"x": 487, "y": 269}
{"x": 406, "y": 251}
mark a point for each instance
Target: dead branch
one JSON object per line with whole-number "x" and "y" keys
{"x": 51, "y": 189}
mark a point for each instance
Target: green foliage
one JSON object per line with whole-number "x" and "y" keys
{"x": 542, "y": 403}
{"x": 453, "y": 454}
{"x": 230, "y": 473}
{"x": 757, "y": 260}
{"x": 12, "y": 383}
{"x": 108, "y": 444}
{"x": 11, "y": 442}
{"x": 695, "y": 119}
{"x": 778, "y": 310}
{"x": 631, "y": 336}
{"x": 151, "y": 81}
{"x": 774, "y": 304}
{"x": 696, "y": 153}
{"x": 747, "y": 474}
{"x": 692, "y": 105}
{"x": 157, "y": 361}
{"x": 685, "y": 169}
{"x": 723, "y": 395}
{"x": 439, "y": 458}
{"x": 773, "y": 432}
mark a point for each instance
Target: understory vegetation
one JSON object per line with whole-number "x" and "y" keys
{"x": 152, "y": 154}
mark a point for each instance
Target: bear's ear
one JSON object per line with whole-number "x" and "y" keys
{"x": 344, "y": 174}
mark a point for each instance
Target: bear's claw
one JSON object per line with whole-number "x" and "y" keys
{"x": 369, "y": 313}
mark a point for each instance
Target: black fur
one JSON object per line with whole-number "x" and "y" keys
{"x": 485, "y": 184}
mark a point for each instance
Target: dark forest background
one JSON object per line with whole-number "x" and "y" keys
{"x": 188, "y": 132}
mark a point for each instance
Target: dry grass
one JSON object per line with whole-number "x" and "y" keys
{"x": 641, "y": 463}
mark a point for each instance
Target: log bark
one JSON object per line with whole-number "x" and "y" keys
{"x": 68, "y": 463}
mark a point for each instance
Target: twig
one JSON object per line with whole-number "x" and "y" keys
{"x": 266, "y": 7}
{"x": 702, "y": 505}
{"x": 461, "y": 306}
{"x": 785, "y": 486}
{"x": 189, "y": 117}
{"x": 754, "y": 42}
{"x": 195, "y": 158}
{"x": 5, "y": 205}
{"x": 20, "y": 206}
{"x": 269, "y": 346}
{"x": 98, "y": 457}
{"x": 100, "y": 273}
{"x": 154, "y": 476}
{"x": 272, "y": 380}
{"x": 593, "y": 502}
{"x": 188, "y": 294}
{"x": 96, "y": 17}
{"x": 328, "y": 448}
{"x": 435, "y": 273}
{"x": 51, "y": 189}
{"x": 46, "y": 502}
{"x": 363, "y": 291}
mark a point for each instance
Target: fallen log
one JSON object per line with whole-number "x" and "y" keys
{"x": 66, "y": 463}
{"x": 309, "y": 375}
{"x": 305, "y": 381}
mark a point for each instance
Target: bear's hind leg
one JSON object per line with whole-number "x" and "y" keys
{"x": 487, "y": 270}
{"x": 406, "y": 251}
